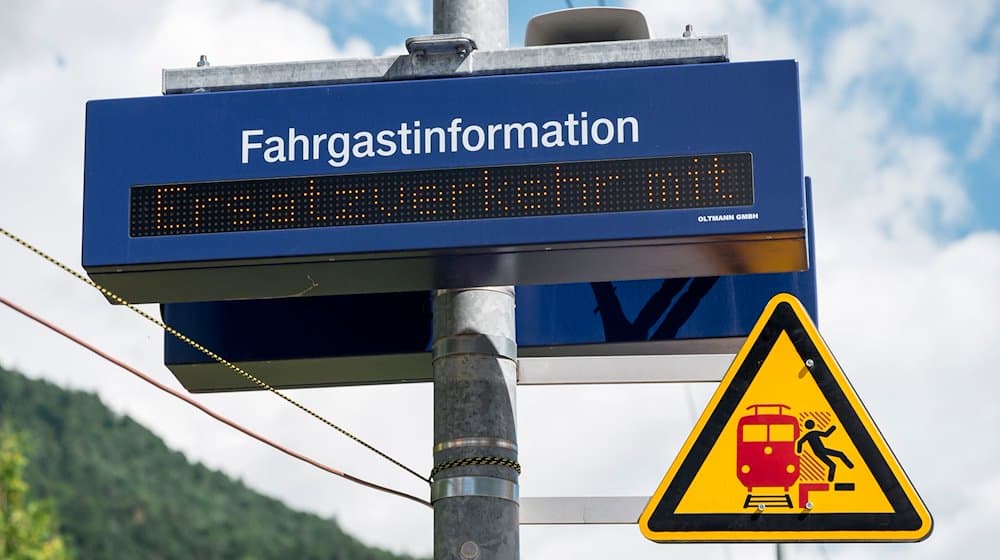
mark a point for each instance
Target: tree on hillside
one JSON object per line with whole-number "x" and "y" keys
{"x": 27, "y": 528}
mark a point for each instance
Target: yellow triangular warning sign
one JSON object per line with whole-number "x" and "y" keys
{"x": 785, "y": 451}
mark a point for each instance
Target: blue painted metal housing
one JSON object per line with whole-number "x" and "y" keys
{"x": 386, "y": 338}
{"x": 679, "y": 110}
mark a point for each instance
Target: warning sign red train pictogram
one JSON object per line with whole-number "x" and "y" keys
{"x": 765, "y": 454}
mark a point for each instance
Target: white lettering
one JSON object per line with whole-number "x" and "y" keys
{"x": 520, "y": 128}
{"x": 248, "y": 145}
{"x": 339, "y": 156}
{"x": 363, "y": 146}
{"x": 622, "y": 121}
{"x": 317, "y": 142}
{"x": 553, "y": 134}
{"x": 453, "y": 128}
{"x": 410, "y": 138}
{"x": 294, "y": 139}
{"x": 275, "y": 151}
{"x": 429, "y": 134}
{"x": 478, "y": 145}
{"x": 387, "y": 146}
{"x": 717, "y": 218}
{"x": 595, "y": 131}
{"x": 492, "y": 131}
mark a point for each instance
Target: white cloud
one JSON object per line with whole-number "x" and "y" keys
{"x": 910, "y": 314}
{"x": 950, "y": 51}
{"x": 412, "y": 13}
{"x": 394, "y": 50}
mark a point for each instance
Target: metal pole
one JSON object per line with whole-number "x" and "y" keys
{"x": 475, "y": 375}
{"x": 475, "y": 487}
{"x": 484, "y": 20}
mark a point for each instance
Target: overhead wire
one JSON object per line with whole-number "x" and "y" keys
{"x": 207, "y": 410}
{"x": 194, "y": 344}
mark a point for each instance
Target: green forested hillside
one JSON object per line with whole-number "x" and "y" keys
{"x": 120, "y": 493}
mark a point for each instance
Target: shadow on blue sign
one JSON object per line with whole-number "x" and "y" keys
{"x": 617, "y": 327}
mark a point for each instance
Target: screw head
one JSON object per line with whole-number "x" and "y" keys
{"x": 810, "y": 363}
{"x": 469, "y": 551}
{"x": 761, "y": 507}
{"x": 809, "y": 505}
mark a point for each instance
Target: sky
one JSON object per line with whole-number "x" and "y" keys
{"x": 901, "y": 110}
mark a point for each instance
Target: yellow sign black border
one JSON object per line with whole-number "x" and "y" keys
{"x": 910, "y": 520}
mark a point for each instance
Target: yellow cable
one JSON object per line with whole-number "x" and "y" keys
{"x": 194, "y": 344}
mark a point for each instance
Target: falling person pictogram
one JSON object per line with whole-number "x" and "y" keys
{"x": 815, "y": 440}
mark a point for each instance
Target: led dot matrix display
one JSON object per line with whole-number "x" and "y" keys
{"x": 624, "y": 185}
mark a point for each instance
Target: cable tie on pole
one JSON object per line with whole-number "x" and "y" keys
{"x": 473, "y": 461}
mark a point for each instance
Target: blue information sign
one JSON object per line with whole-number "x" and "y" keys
{"x": 593, "y": 175}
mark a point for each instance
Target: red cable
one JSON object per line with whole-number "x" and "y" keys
{"x": 209, "y": 411}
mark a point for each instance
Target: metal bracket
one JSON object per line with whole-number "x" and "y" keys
{"x": 651, "y": 52}
{"x": 474, "y": 486}
{"x": 475, "y": 442}
{"x": 582, "y": 510}
{"x": 484, "y": 344}
{"x": 574, "y": 370}
{"x": 457, "y": 44}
